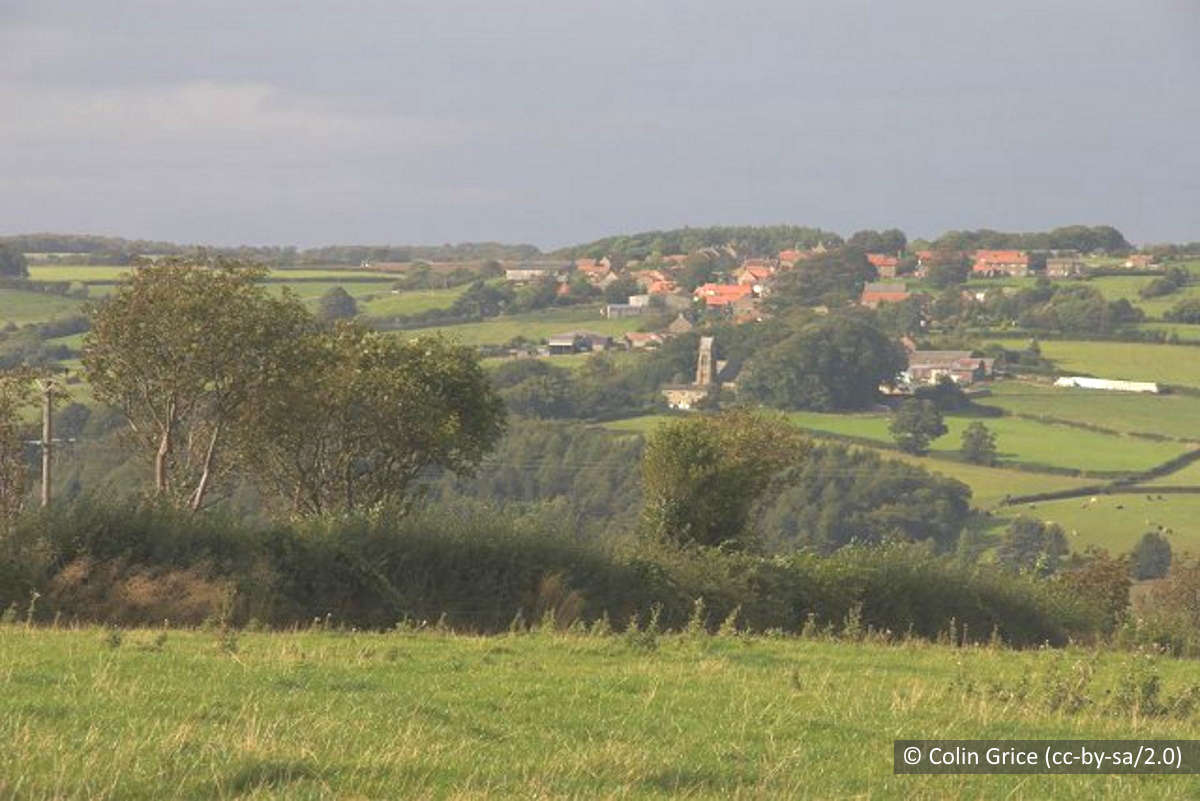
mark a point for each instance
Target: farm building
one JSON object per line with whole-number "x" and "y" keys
{"x": 929, "y": 366}
{"x": 617, "y": 311}
{"x": 577, "y": 342}
{"x": 1115, "y": 385}
{"x": 529, "y": 272}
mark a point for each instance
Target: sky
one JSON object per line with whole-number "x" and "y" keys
{"x": 559, "y": 121}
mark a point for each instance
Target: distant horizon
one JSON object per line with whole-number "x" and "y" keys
{"x": 1137, "y": 243}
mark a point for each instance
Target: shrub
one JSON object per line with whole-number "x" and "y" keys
{"x": 475, "y": 568}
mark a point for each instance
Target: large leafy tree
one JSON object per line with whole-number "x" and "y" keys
{"x": 183, "y": 350}
{"x": 12, "y": 262}
{"x": 832, "y": 279}
{"x": 838, "y": 363}
{"x": 916, "y": 424}
{"x": 368, "y": 417}
{"x": 702, "y": 475}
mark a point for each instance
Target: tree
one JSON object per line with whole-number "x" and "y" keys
{"x": 181, "y": 350}
{"x": 1151, "y": 557}
{"x": 12, "y": 262}
{"x": 620, "y": 290}
{"x": 837, "y": 363}
{"x": 948, "y": 272}
{"x": 1032, "y": 546}
{"x": 979, "y": 444}
{"x": 702, "y": 475}
{"x": 891, "y": 241}
{"x": 336, "y": 304}
{"x": 1185, "y": 311}
{"x": 832, "y": 278}
{"x": 368, "y": 417}
{"x": 16, "y": 394}
{"x": 916, "y": 424}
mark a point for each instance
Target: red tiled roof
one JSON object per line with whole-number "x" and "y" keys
{"x": 882, "y": 260}
{"x": 722, "y": 294}
{"x": 1002, "y": 256}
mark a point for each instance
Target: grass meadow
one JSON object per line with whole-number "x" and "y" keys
{"x": 1136, "y": 361}
{"x": 20, "y": 307}
{"x": 533, "y": 326}
{"x": 92, "y": 714}
{"x": 1116, "y": 522}
{"x": 1169, "y": 415}
{"x": 1017, "y": 440}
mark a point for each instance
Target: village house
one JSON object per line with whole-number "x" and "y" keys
{"x": 753, "y": 275}
{"x": 887, "y": 266}
{"x": 992, "y": 263}
{"x": 788, "y": 258}
{"x": 1139, "y": 261}
{"x": 648, "y": 278}
{"x": 720, "y": 295}
{"x": 638, "y": 340}
{"x": 874, "y": 294}
{"x": 680, "y": 325}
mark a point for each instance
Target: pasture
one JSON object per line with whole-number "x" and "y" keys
{"x": 989, "y": 485}
{"x": 1017, "y": 440}
{"x": 19, "y": 306}
{"x": 1116, "y": 522}
{"x": 94, "y": 714}
{"x": 1170, "y": 415}
{"x": 1136, "y": 361}
{"x": 532, "y": 326}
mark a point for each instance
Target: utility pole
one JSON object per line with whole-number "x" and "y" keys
{"x": 47, "y": 387}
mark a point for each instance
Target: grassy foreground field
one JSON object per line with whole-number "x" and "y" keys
{"x": 326, "y": 715}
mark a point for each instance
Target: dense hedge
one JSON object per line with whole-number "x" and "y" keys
{"x": 141, "y": 565}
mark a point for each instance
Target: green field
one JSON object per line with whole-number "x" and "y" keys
{"x": 534, "y": 326}
{"x": 622, "y": 359}
{"x": 386, "y": 304}
{"x": 1187, "y": 477}
{"x": 1116, "y": 522}
{"x": 20, "y": 307}
{"x": 1136, "y": 361}
{"x": 183, "y": 714}
{"x": 989, "y": 485}
{"x": 1017, "y": 440}
{"x": 1171, "y": 415}
{"x": 1127, "y": 287}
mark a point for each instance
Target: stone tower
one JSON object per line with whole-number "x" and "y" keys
{"x": 704, "y": 363}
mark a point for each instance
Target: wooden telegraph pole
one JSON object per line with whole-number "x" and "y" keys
{"x": 47, "y": 386}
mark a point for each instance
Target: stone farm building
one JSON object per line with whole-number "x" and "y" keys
{"x": 929, "y": 366}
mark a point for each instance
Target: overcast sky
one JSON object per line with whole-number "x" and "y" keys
{"x": 556, "y": 121}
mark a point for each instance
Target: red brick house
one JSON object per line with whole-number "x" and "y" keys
{"x": 992, "y": 263}
{"x": 874, "y": 294}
